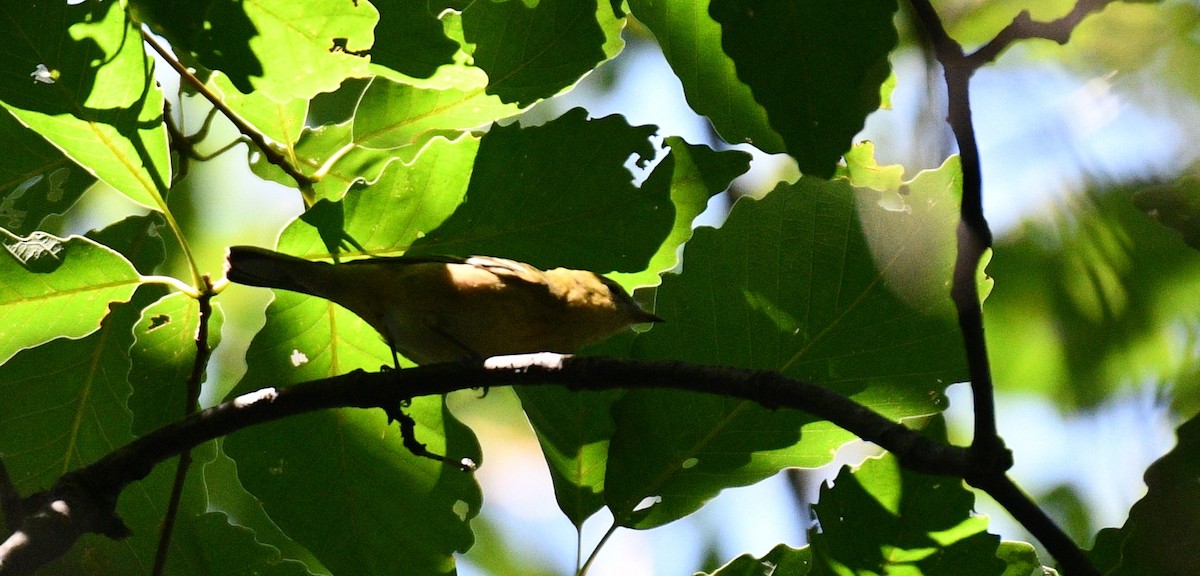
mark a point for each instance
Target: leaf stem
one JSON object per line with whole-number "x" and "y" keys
{"x": 173, "y": 282}
{"x": 583, "y": 570}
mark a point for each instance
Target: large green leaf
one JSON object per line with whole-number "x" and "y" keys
{"x": 394, "y": 115}
{"x": 530, "y": 53}
{"x": 691, "y": 42}
{"x": 36, "y": 179}
{"x": 281, "y": 48}
{"x": 53, "y": 288}
{"x": 816, "y": 67}
{"x": 559, "y": 195}
{"x": 390, "y": 122}
{"x": 306, "y": 48}
{"x": 389, "y": 214}
{"x": 281, "y": 123}
{"x": 817, "y": 280}
{"x": 340, "y": 482}
{"x": 697, "y": 173}
{"x": 573, "y": 429}
{"x": 78, "y": 76}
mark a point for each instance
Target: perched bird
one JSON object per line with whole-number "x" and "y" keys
{"x": 440, "y": 309}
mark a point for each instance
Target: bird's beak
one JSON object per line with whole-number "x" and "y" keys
{"x": 644, "y": 316}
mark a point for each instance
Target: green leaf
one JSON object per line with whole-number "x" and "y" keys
{"x": 77, "y": 75}
{"x": 229, "y": 549}
{"x": 559, "y": 195}
{"x": 697, "y": 173}
{"x": 340, "y": 482}
{"x": 394, "y": 115}
{"x": 54, "y": 288}
{"x": 1157, "y": 537}
{"x": 816, "y": 66}
{"x": 281, "y": 123}
{"x": 391, "y": 122}
{"x": 1022, "y": 560}
{"x": 573, "y": 429}
{"x": 782, "y": 559}
{"x": 530, "y": 53}
{"x": 691, "y": 43}
{"x": 162, "y": 355}
{"x": 409, "y": 39}
{"x": 388, "y": 215}
{"x": 306, "y": 48}
{"x": 818, "y": 281}
{"x": 882, "y": 519}
{"x": 36, "y": 179}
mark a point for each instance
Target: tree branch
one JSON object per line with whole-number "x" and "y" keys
{"x": 990, "y": 459}
{"x": 84, "y": 500}
{"x": 269, "y": 151}
{"x": 1024, "y": 27}
{"x": 190, "y": 405}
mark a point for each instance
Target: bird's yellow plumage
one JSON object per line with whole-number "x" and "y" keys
{"x": 445, "y": 309}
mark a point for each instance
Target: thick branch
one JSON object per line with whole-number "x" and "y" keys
{"x": 95, "y": 488}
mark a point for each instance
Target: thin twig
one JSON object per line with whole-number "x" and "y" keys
{"x": 191, "y": 404}
{"x": 303, "y": 181}
{"x": 1070, "y": 558}
{"x": 1025, "y": 27}
{"x": 974, "y": 236}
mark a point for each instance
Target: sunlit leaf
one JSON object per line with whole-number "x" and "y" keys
{"x": 78, "y": 76}
{"x": 162, "y": 355}
{"x": 54, "y": 287}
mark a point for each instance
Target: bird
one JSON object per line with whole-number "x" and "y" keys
{"x": 433, "y": 309}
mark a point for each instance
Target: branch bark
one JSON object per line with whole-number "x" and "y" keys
{"x": 990, "y": 459}
{"x": 84, "y": 500}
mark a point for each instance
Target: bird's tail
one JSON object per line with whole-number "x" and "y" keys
{"x": 255, "y": 266}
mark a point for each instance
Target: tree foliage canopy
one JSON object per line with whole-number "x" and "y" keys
{"x": 406, "y": 127}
